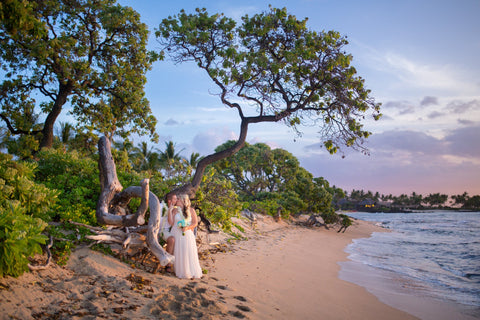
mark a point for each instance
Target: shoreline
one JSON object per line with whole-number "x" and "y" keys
{"x": 403, "y": 293}
{"x": 294, "y": 274}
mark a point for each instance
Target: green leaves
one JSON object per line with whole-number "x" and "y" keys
{"x": 92, "y": 54}
{"x": 17, "y": 186}
{"x": 20, "y": 238}
{"x": 76, "y": 179}
{"x": 267, "y": 180}
{"x": 279, "y": 68}
{"x": 217, "y": 199}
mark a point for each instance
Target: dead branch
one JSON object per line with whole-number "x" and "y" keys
{"x": 49, "y": 258}
{"x": 112, "y": 209}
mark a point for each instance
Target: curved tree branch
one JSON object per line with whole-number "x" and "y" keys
{"x": 111, "y": 199}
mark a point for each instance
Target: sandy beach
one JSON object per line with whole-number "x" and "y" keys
{"x": 292, "y": 273}
{"x": 282, "y": 271}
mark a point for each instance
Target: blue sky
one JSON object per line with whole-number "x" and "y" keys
{"x": 419, "y": 58}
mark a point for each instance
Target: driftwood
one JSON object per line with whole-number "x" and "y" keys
{"x": 278, "y": 215}
{"x": 314, "y": 222}
{"x": 112, "y": 209}
{"x": 49, "y": 258}
{"x": 206, "y": 222}
{"x": 251, "y": 216}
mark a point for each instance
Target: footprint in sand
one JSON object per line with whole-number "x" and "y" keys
{"x": 237, "y": 314}
{"x": 201, "y": 290}
{"x": 243, "y": 308}
{"x": 241, "y": 298}
{"x": 223, "y": 287}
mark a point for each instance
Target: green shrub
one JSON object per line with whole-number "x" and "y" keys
{"x": 217, "y": 199}
{"x": 76, "y": 178}
{"x": 266, "y": 206}
{"x": 329, "y": 216}
{"x": 17, "y": 186}
{"x": 20, "y": 238}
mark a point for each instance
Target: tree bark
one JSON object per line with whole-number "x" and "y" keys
{"x": 112, "y": 206}
{"x": 191, "y": 188}
{"x": 47, "y": 131}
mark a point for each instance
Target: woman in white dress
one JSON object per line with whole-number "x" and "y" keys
{"x": 183, "y": 220}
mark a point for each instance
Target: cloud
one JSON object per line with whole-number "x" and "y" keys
{"x": 403, "y": 107}
{"x": 418, "y": 74}
{"x": 406, "y": 140}
{"x": 466, "y": 122}
{"x": 465, "y": 141}
{"x": 386, "y": 118}
{"x": 406, "y": 73}
{"x": 171, "y": 122}
{"x": 205, "y": 142}
{"x": 427, "y": 101}
{"x": 386, "y": 174}
{"x": 435, "y": 114}
{"x": 462, "y": 107}
{"x": 406, "y": 161}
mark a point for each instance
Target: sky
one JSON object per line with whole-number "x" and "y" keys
{"x": 419, "y": 58}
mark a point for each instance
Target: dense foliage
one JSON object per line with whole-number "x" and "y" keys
{"x": 89, "y": 55}
{"x": 19, "y": 188}
{"x": 23, "y": 203}
{"x": 272, "y": 181}
{"x": 273, "y": 68}
{"x": 361, "y": 200}
{"x": 76, "y": 179}
{"x": 20, "y": 238}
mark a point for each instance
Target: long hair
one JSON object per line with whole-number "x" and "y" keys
{"x": 187, "y": 204}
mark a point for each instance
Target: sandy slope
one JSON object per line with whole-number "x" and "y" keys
{"x": 282, "y": 271}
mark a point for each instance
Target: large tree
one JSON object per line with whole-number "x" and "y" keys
{"x": 89, "y": 55}
{"x": 257, "y": 168}
{"x": 273, "y": 68}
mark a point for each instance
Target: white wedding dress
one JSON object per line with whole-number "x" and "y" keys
{"x": 186, "y": 253}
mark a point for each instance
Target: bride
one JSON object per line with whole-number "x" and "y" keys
{"x": 183, "y": 220}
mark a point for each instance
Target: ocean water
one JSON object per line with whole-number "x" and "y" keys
{"x": 437, "y": 254}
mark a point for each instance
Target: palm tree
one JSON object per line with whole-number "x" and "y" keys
{"x": 194, "y": 159}
{"x": 145, "y": 159}
{"x": 169, "y": 156}
{"x": 66, "y": 132}
{"x": 125, "y": 145}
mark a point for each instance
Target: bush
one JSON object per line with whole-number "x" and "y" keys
{"x": 266, "y": 207}
{"x": 20, "y": 238}
{"x": 18, "y": 187}
{"x": 217, "y": 199}
{"x": 329, "y": 216}
{"x": 77, "y": 180}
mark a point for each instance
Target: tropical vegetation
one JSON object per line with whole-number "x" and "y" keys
{"x": 376, "y": 202}
{"x": 89, "y": 58}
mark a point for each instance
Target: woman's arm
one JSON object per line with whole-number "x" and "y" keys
{"x": 194, "y": 222}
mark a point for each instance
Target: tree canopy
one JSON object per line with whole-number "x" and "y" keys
{"x": 273, "y": 68}
{"x": 270, "y": 179}
{"x": 88, "y": 53}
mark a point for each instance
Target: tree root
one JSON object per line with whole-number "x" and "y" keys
{"x": 49, "y": 258}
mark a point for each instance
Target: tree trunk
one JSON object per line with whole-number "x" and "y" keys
{"x": 112, "y": 206}
{"x": 191, "y": 188}
{"x": 47, "y": 131}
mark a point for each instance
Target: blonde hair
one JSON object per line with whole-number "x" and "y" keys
{"x": 186, "y": 202}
